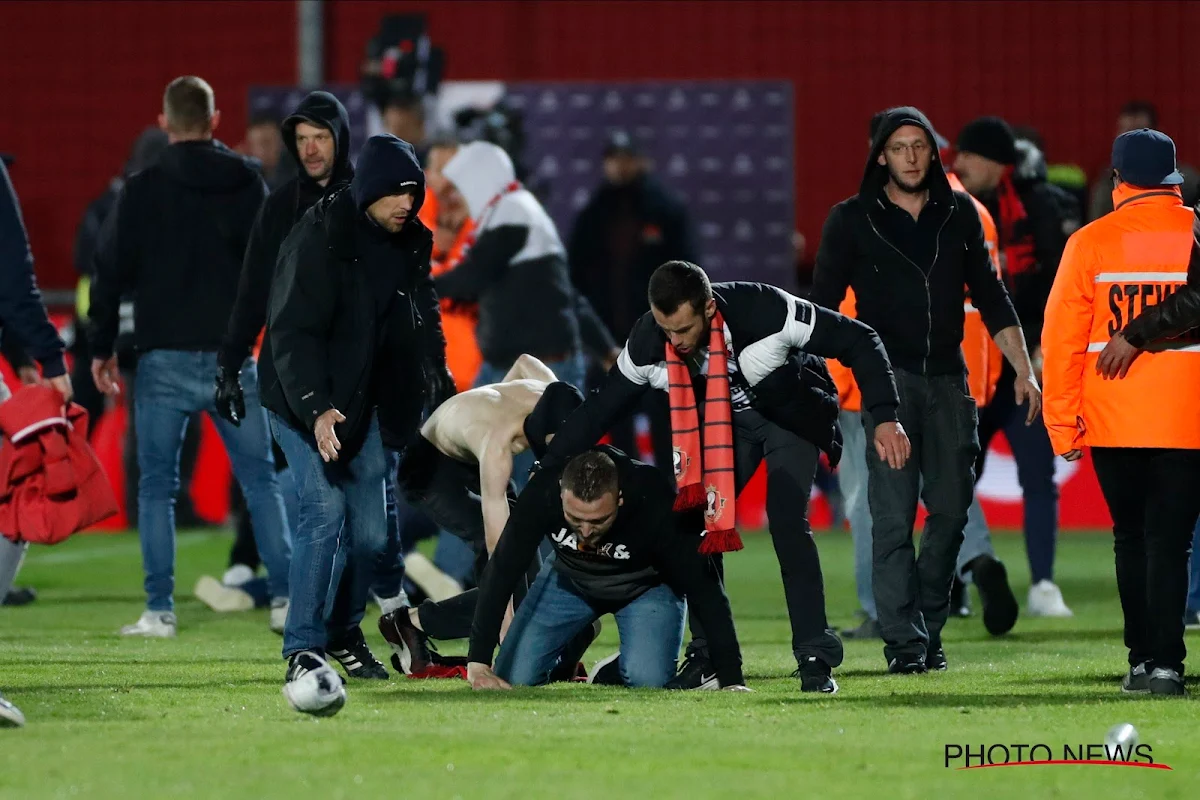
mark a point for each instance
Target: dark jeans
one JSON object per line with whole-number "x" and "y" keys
{"x": 1034, "y": 455}
{"x": 791, "y": 465}
{"x": 342, "y": 508}
{"x": 1153, "y": 499}
{"x": 912, "y": 592}
{"x": 448, "y": 492}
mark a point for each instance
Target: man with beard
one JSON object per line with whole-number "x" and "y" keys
{"x": 910, "y": 247}
{"x": 317, "y": 135}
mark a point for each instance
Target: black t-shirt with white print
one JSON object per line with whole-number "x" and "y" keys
{"x": 648, "y": 545}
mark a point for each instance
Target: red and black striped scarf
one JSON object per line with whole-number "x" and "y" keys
{"x": 1016, "y": 233}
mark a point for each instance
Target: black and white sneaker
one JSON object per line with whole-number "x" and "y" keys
{"x": 907, "y": 665}
{"x": 960, "y": 599}
{"x": 312, "y": 686}
{"x": 356, "y": 658}
{"x": 607, "y": 671}
{"x": 935, "y": 659}
{"x": 815, "y": 676}
{"x": 411, "y": 652}
{"x": 696, "y": 672}
{"x": 10, "y": 715}
{"x": 1166, "y": 681}
{"x": 1137, "y": 680}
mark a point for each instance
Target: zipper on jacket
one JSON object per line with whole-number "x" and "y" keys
{"x": 924, "y": 277}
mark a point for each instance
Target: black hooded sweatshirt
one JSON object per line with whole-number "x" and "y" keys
{"x": 910, "y": 277}
{"x": 279, "y": 213}
{"x": 353, "y": 320}
{"x": 176, "y": 240}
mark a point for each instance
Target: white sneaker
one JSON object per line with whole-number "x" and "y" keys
{"x": 160, "y": 624}
{"x": 10, "y": 715}
{"x": 237, "y": 575}
{"x": 279, "y": 611}
{"x": 221, "y": 597}
{"x": 1046, "y": 600}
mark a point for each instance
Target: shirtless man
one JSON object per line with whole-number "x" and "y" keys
{"x": 458, "y": 471}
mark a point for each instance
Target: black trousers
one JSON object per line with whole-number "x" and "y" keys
{"x": 791, "y": 465}
{"x": 1153, "y": 496}
{"x": 448, "y": 492}
{"x": 912, "y": 592}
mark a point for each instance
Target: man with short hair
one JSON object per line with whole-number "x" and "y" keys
{"x": 1143, "y": 429}
{"x": 264, "y": 144}
{"x": 748, "y": 357}
{"x": 910, "y": 247}
{"x": 620, "y": 549}
{"x": 353, "y": 351}
{"x": 1135, "y": 115}
{"x": 177, "y": 238}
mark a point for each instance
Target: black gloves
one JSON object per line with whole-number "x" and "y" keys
{"x": 439, "y": 384}
{"x": 231, "y": 403}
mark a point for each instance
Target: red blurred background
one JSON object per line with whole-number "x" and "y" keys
{"x": 82, "y": 78}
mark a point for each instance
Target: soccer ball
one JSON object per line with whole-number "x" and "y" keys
{"x": 318, "y": 692}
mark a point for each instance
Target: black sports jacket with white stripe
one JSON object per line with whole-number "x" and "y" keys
{"x": 777, "y": 344}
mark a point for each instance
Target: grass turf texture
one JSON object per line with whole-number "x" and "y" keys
{"x": 202, "y": 715}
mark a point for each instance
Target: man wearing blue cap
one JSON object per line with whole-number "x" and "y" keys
{"x": 1143, "y": 430}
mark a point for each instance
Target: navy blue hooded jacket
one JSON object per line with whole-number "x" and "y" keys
{"x": 330, "y": 342}
{"x": 21, "y": 309}
{"x": 278, "y": 215}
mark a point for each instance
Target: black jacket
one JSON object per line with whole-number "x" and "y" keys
{"x": 279, "y": 213}
{"x": 22, "y": 313}
{"x": 914, "y": 299}
{"x": 176, "y": 240}
{"x": 647, "y": 546}
{"x": 1177, "y": 313}
{"x": 620, "y": 237}
{"x": 517, "y": 268}
{"x": 332, "y": 341}
{"x": 779, "y": 343}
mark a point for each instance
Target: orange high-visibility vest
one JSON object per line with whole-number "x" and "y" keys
{"x": 459, "y": 320}
{"x": 1111, "y": 270}
{"x": 983, "y": 357}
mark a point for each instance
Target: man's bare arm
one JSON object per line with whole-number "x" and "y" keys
{"x": 1011, "y": 341}
{"x": 495, "y": 469}
{"x": 528, "y": 367}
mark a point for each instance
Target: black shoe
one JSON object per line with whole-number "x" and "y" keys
{"x": 1165, "y": 681}
{"x": 356, "y": 658}
{"x": 696, "y": 672}
{"x": 999, "y": 604}
{"x": 907, "y": 665}
{"x": 607, "y": 671}
{"x": 869, "y": 629}
{"x": 22, "y": 596}
{"x": 935, "y": 659}
{"x": 410, "y": 646}
{"x": 570, "y": 663}
{"x": 814, "y": 675}
{"x": 1136, "y": 681}
{"x": 960, "y": 599}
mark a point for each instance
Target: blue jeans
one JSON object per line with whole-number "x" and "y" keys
{"x": 554, "y": 611}
{"x": 572, "y": 370}
{"x": 1193, "y": 601}
{"x": 339, "y": 505}
{"x": 852, "y": 478}
{"x": 389, "y": 573}
{"x": 171, "y": 385}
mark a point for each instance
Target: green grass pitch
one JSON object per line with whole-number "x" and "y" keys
{"x": 202, "y": 715}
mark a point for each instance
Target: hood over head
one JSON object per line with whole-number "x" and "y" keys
{"x": 875, "y": 176}
{"x": 208, "y": 165}
{"x": 480, "y": 171}
{"x": 556, "y": 404}
{"x": 325, "y": 110}
{"x": 387, "y": 165}
{"x": 147, "y": 147}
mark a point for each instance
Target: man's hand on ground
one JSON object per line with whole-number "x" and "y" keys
{"x": 104, "y": 375}
{"x": 327, "y": 441}
{"x": 1116, "y": 357}
{"x": 480, "y": 676}
{"x": 892, "y": 444}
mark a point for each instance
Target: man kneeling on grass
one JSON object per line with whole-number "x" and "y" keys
{"x": 619, "y": 549}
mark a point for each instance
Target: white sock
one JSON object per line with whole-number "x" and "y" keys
{"x": 389, "y": 604}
